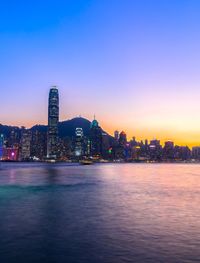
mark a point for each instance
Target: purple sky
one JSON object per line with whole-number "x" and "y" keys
{"x": 133, "y": 63}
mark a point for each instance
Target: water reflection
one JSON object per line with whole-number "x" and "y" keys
{"x": 101, "y": 213}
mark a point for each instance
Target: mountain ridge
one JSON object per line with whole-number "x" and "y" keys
{"x": 66, "y": 128}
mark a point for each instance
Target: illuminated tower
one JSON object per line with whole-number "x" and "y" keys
{"x": 95, "y": 139}
{"x": 79, "y": 142}
{"x": 53, "y": 119}
{"x": 25, "y": 151}
{"x": 1, "y": 146}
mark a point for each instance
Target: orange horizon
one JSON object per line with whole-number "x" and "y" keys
{"x": 179, "y": 137}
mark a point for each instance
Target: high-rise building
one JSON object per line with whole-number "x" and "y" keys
{"x": 25, "y": 150}
{"x": 39, "y": 144}
{"x": 95, "y": 139}
{"x": 168, "y": 150}
{"x": 155, "y": 150}
{"x": 182, "y": 153}
{"x": 14, "y": 137}
{"x": 116, "y": 135}
{"x": 1, "y": 146}
{"x": 10, "y": 154}
{"x": 196, "y": 152}
{"x": 78, "y": 150}
{"x": 53, "y": 119}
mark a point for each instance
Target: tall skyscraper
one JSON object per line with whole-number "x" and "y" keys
{"x": 39, "y": 144}
{"x": 78, "y": 151}
{"x": 95, "y": 139}
{"x": 1, "y": 146}
{"x": 53, "y": 119}
{"x": 25, "y": 150}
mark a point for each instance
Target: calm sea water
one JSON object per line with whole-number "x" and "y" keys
{"x": 108, "y": 213}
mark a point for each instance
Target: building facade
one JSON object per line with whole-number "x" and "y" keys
{"x": 1, "y": 146}
{"x": 79, "y": 147}
{"x": 25, "y": 150}
{"x": 95, "y": 139}
{"x": 53, "y": 119}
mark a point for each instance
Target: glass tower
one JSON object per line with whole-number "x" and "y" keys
{"x": 1, "y": 146}
{"x": 53, "y": 119}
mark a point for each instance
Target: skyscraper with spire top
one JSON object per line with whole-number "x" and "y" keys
{"x": 53, "y": 119}
{"x": 95, "y": 139}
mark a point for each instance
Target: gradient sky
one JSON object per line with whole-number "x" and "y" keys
{"x": 133, "y": 63}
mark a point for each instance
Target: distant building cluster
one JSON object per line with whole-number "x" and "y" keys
{"x": 46, "y": 144}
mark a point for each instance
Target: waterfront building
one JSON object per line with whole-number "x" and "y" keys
{"x": 78, "y": 150}
{"x": 182, "y": 153}
{"x": 121, "y": 151}
{"x": 155, "y": 150}
{"x": 168, "y": 150}
{"x": 25, "y": 150}
{"x": 196, "y": 152}
{"x": 13, "y": 138}
{"x": 66, "y": 148}
{"x": 10, "y": 154}
{"x": 53, "y": 119}
{"x": 95, "y": 139}
{"x": 38, "y": 144}
{"x": 1, "y": 146}
{"x": 106, "y": 146}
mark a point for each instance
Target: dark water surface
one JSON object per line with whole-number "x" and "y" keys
{"x": 108, "y": 213}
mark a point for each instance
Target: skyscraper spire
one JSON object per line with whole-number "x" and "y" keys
{"x": 53, "y": 119}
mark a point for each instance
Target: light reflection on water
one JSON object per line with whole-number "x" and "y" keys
{"x": 100, "y": 213}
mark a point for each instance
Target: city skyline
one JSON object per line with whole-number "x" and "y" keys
{"x": 79, "y": 140}
{"x": 135, "y": 64}
{"x": 111, "y": 132}
{"x": 53, "y": 119}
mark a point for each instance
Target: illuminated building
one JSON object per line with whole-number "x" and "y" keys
{"x": 53, "y": 119}
{"x": 122, "y": 148}
{"x": 25, "y": 150}
{"x": 136, "y": 151}
{"x": 1, "y": 146}
{"x": 14, "y": 137}
{"x": 38, "y": 144}
{"x": 78, "y": 151}
{"x": 95, "y": 139}
{"x": 106, "y": 146}
{"x": 155, "y": 150}
{"x": 10, "y": 154}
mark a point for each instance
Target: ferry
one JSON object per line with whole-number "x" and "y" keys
{"x": 86, "y": 162}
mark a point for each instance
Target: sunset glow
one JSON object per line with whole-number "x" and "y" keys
{"x": 134, "y": 64}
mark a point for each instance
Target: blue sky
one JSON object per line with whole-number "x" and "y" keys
{"x": 135, "y": 64}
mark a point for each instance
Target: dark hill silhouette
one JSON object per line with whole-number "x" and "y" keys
{"x": 66, "y": 128}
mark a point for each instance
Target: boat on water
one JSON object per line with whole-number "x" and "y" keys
{"x": 86, "y": 162}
